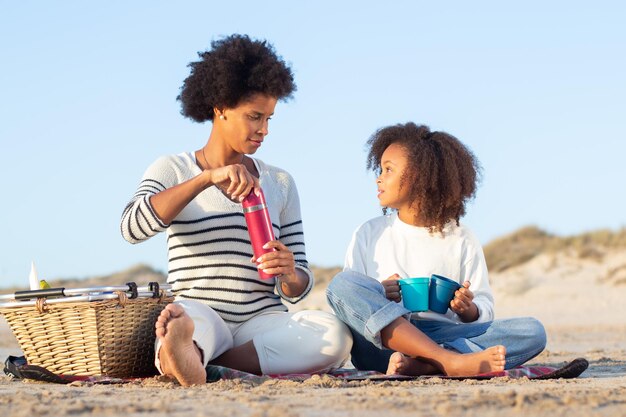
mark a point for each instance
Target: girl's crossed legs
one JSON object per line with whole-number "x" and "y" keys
{"x": 361, "y": 303}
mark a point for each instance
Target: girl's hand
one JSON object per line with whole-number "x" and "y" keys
{"x": 235, "y": 181}
{"x": 392, "y": 288}
{"x": 463, "y": 305}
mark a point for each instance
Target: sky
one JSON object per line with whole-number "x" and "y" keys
{"x": 537, "y": 90}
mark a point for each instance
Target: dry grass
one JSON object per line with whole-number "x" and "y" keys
{"x": 526, "y": 243}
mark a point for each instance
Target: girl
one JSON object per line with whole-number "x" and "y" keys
{"x": 224, "y": 314}
{"x": 426, "y": 178}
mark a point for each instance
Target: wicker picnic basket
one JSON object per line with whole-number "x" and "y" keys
{"x": 93, "y": 331}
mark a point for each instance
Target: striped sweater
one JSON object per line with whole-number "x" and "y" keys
{"x": 209, "y": 248}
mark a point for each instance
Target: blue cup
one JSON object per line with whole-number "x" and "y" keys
{"x": 415, "y": 293}
{"x": 441, "y": 292}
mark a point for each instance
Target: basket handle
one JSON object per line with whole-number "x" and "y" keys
{"x": 132, "y": 287}
{"x": 122, "y": 298}
{"x": 48, "y": 292}
{"x": 154, "y": 287}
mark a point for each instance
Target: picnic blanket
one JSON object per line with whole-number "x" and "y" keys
{"x": 18, "y": 368}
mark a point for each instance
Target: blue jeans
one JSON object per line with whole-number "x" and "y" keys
{"x": 360, "y": 302}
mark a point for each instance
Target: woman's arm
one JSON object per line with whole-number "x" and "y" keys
{"x": 295, "y": 279}
{"x": 234, "y": 180}
{"x": 168, "y": 203}
{"x": 139, "y": 221}
{"x": 159, "y": 198}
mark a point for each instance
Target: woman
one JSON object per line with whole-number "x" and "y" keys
{"x": 224, "y": 313}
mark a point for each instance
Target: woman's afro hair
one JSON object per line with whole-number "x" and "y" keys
{"x": 442, "y": 174}
{"x": 235, "y": 68}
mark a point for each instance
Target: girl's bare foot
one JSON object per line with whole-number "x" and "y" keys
{"x": 179, "y": 355}
{"x": 489, "y": 360}
{"x": 399, "y": 364}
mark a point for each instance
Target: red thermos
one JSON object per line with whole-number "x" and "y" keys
{"x": 259, "y": 225}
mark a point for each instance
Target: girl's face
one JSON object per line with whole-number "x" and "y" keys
{"x": 391, "y": 193}
{"x": 246, "y": 125}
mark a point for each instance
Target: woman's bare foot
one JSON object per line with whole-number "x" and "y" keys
{"x": 400, "y": 364}
{"x": 179, "y": 355}
{"x": 489, "y": 360}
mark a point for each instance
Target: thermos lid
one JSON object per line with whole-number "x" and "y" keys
{"x": 252, "y": 201}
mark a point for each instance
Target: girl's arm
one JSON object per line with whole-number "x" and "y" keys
{"x": 463, "y": 304}
{"x": 356, "y": 252}
{"x": 475, "y": 271}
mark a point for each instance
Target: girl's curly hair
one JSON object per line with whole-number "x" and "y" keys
{"x": 235, "y": 68}
{"x": 442, "y": 174}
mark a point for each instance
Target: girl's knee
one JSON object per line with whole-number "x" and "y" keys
{"x": 346, "y": 283}
{"x": 340, "y": 283}
{"x": 532, "y": 331}
{"x": 537, "y": 332}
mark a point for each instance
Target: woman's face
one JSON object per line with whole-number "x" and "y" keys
{"x": 391, "y": 192}
{"x": 246, "y": 125}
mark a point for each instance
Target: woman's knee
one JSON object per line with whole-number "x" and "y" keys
{"x": 329, "y": 337}
{"x": 211, "y": 334}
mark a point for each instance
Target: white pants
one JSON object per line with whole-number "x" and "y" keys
{"x": 308, "y": 341}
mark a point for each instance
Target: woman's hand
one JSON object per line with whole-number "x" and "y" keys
{"x": 235, "y": 181}
{"x": 463, "y": 305}
{"x": 392, "y": 288}
{"x": 281, "y": 263}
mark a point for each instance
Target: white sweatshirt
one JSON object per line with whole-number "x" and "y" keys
{"x": 385, "y": 245}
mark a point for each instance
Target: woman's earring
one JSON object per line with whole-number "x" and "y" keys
{"x": 221, "y": 117}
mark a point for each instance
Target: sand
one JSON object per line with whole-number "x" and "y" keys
{"x": 584, "y": 314}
